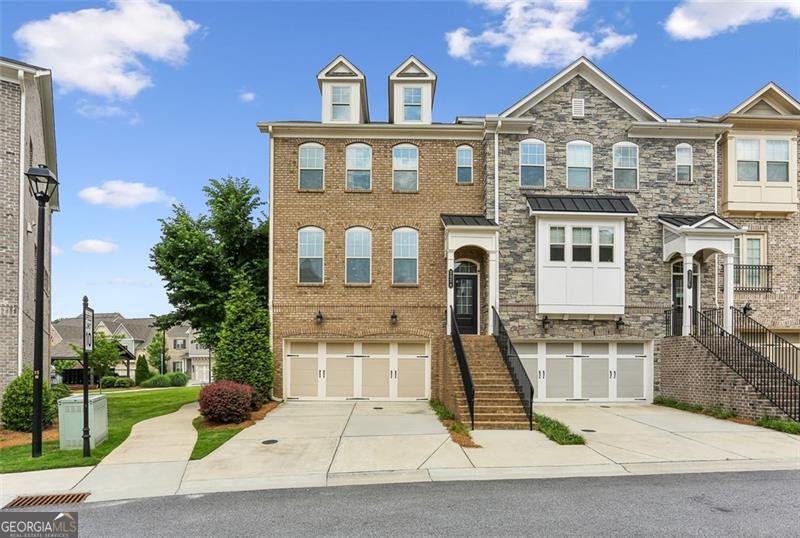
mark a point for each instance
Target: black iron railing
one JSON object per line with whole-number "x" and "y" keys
{"x": 673, "y": 321}
{"x": 776, "y": 348}
{"x": 463, "y": 365}
{"x": 752, "y": 277}
{"x": 772, "y": 381}
{"x": 521, "y": 380}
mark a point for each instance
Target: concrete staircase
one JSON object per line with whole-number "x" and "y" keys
{"x": 497, "y": 404}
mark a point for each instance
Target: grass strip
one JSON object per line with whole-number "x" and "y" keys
{"x": 557, "y": 431}
{"x": 716, "y": 412}
{"x": 210, "y": 438}
{"x": 784, "y": 426}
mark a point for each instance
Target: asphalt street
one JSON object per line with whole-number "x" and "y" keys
{"x": 724, "y": 504}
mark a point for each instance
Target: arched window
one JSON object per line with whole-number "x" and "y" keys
{"x": 465, "y": 267}
{"x": 464, "y": 164}
{"x": 312, "y": 166}
{"x": 626, "y": 166}
{"x": 359, "y": 167}
{"x": 358, "y": 256}
{"x": 579, "y": 165}
{"x": 684, "y": 163}
{"x": 532, "y": 163}
{"x": 404, "y": 256}
{"x": 405, "y": 165}
{"x": 310, "y": 255}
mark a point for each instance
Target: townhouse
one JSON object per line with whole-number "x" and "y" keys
{"x": 544, "y": 253}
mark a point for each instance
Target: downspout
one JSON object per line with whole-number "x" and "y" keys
{"x": 271, "y": 250}
{"x": 716, "y": 193}
{"x": 21, "y": 253}
{"x": 497, "y": 172}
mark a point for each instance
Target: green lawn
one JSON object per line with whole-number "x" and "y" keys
{"x": 124, "y": 410}
{"x": 209, "y": 439}
{"x": 557, "y": 431}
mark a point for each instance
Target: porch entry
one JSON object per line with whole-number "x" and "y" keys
{"x": 678, "y": 291}
{"x": 466, "y": 296}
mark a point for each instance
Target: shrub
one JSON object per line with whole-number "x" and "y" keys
{"x": 60, "y": 391}
{"x": 225, "y": 402}
{"x": 142, "y": 370}
{"x": 123, "y": 383}
{"x": 108, "y": 381}
{"x": 159, "y": 380}
{"x": 177, "y": 379}
{"x": 557, "y": 431}
{"x": 17, "y": 412}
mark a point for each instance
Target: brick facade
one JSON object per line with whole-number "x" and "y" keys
{"x": 363, "y": 311}
{"x": 689, "y": 373}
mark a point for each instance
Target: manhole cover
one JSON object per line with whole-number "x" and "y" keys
{"x": 587, "y": 430}
{"x": 378, "y": 408}
{"x": 269, "y": 442}
{"x": 44, "y": 500}
{"x": 606, "y": 406}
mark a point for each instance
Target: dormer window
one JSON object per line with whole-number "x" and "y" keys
{"x": 412, "y": 104}
{"x": 340, "y": 102}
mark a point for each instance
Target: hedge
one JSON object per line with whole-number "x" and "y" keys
{"x": 159, "y": 380}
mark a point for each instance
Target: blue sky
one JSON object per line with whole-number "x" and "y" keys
{"x": 158, "y": 97}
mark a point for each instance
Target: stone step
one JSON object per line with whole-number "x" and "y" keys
{"x": 502, "y": 425}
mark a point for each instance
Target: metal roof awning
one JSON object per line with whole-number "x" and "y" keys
{"x": 541, "y": 204}
{"x": 710, "y": 220}
{"x": 467, "y": 220}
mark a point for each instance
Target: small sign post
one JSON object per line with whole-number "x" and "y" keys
{"x": 88, "y": 346}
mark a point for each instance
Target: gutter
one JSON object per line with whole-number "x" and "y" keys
{"x": 716, "y": 204}
{"x": 21, "y": 251}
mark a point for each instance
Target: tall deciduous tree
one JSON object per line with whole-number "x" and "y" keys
{"x": 154, "y": 350}
{"x": 198, "y": 257}
{"x": 243, "y": 354}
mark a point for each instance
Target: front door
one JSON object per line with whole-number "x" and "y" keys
{"x": 466, "y": 303}
{"x": 677, "y": 294}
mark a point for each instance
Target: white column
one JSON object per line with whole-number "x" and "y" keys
{"x": 451, "y": 264}
{"x": 494, "y": 279}
{"x": 728, "y": 299}
{"x": 688, "y": 263}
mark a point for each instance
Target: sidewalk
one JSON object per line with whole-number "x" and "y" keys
{"x": 332, "y": 444}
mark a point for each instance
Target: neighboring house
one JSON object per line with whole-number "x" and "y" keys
{"x": 578, "y": 224}
{"x": 187, "y": 355}
{"x": 134, "y": 335}
{"x": 27, "y": 138}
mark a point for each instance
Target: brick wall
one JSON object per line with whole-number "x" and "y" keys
{"x": 691, "y": 374}
{"x": 364, "y": 311}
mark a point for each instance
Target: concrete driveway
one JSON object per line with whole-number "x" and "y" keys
{"x": 329, "y": 443}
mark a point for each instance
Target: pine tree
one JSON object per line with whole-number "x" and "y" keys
{"x": 142, "y": 370}
{"x": 243, "y": 354}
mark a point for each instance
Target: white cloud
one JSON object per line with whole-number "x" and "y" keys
{"x": 536, "y": 33}
{"x": 56, "y": 250}
{"x": 100, "y": 51}
{"x": 699, "y": 19}
{"x": 123, "y": 194}
{"x": 92, "y": 110}
{"x": 247, "y": 96}
{"x": 94, "y": 246}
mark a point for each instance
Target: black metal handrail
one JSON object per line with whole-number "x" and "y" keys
{"x": 772, "y": 381}
{"x": 521, "y": 380}
{"x": 776, "y": 348}
{"x": 463, "y": 366}
{"x": 673, "y": 321}
{"x": 752, "y": 277}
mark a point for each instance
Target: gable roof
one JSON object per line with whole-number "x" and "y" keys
{"x": 772, "y": 96}
{"x": 594, "y": 76}
{"x": 707, "y": 221}
{"x": 342, "y": 69}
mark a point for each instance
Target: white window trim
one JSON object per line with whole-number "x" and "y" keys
{"x": 308, "y": 228}
{"x": 300, "y": 168}
{"x": 762, "y": 173}
{"x": 416, "y": 258}
{"x": 394, "y": 169}
{"x": 690, "y": 165}
{"x": 349, "y": 104}
{"x": 579, "y": 142}
{"x": 549, "y": 244}
{"x": 346, "y": 257}
{"x": 403, "y": 103}
{"x": 471, "y": 165}
{"x": 742, "y": 242}
{"x": 787, "y": 161}
{"x": 592, "y": 244}
{"x": 357, "y": 145}
{"x": 613, "y": 244}
{"x": 519, "y": 163}
{"x": 614, "y": 167}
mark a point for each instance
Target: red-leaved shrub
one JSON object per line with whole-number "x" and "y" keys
{"x": 225, "y": 402}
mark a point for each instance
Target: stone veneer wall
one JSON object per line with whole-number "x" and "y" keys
{"x": 363, "y": 311}
{"x": 690, "y": 373}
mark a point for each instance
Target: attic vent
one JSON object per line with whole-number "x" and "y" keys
{"x": 577, "y": 108}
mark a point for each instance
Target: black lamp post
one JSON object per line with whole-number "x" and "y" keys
{"x": 43, "y": 184}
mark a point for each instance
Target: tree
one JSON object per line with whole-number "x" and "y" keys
{"x": 62, "y": 366}
{"x": 105, "y": 354}
{"x": 142, "y": 370}
{"x": 243, "y": 354}
{"x": 198, "y": 257}
{"x": 154, "y": 350}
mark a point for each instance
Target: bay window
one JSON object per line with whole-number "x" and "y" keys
{"x": 778, "y": 160}
{"x": 581, "y": 244}
{"x": 747, "y": 159}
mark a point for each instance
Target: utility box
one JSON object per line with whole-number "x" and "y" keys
{"x": 70, "y": 421}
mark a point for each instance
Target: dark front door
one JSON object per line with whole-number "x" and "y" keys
{"x": 466, "y": 303}
{"x": 677, "y": 295}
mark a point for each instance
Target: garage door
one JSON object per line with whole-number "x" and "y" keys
{"x": 588, "y": 371}
{"x": 343, "y": 370}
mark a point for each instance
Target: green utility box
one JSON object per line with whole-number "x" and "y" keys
{"x": 70, "y": 421}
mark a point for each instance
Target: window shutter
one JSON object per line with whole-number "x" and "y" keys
{"x": 577, "y": 108}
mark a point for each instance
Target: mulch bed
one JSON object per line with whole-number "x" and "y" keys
{"x": 10, "y": 438}
{"x": 460, "y": 439}
{"x": 255, "y": 416}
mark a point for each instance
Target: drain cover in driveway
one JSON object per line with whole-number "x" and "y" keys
{"x": 588, "y": 430}
{"x": 378, "y": 408}
{"x": 269, "y": 442}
